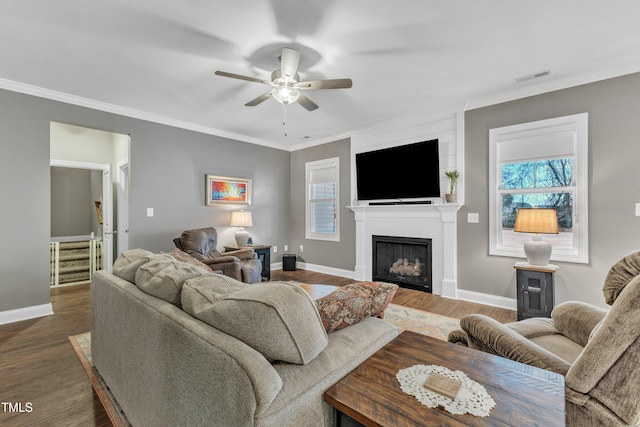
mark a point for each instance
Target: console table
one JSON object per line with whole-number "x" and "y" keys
{"x": 371, "y": 396}
{"x": 264, "y": 255}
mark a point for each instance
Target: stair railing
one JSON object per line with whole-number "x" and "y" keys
{"x": 54, "y": 252}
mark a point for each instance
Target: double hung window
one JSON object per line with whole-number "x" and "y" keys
{"x": 540, "y": 164}
{"x": 322, "y": 196}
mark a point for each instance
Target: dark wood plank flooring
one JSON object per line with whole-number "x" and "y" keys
{"x": 38, "y": 364}
{"x": 407, "y": 297}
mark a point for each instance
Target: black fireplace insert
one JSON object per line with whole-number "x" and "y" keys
{"x": 405, "y": 261}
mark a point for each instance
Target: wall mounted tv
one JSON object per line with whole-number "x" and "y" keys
{"x": 405, "y": 172}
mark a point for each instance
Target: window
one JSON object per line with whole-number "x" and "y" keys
{"x": 540, "y": 164}
{"x": 323, "y": 195}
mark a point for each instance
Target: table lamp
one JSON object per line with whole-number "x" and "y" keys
{"x": 241, "y": 219}
{"x": 537, "y": 221}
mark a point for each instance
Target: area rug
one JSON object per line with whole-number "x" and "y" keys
{"x": 422, "y": 322}
{"x": 82, "y": 345}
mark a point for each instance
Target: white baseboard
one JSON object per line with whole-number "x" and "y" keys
{"x": 487, "y": 299}
{"x": 318, "y": 269}
{"x": 26, "y": 313}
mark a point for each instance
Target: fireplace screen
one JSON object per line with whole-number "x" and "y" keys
{"x": 405, "y": 261}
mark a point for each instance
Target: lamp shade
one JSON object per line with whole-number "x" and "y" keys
{"x": 536, "y": 220}
{"x": 241, "y": 219}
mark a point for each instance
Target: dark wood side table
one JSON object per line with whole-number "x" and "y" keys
{"x": 535, "y": 289}
{"x": 371, "y": 396}
{"x": 264, "y": 255}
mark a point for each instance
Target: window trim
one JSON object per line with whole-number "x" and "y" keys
{"x": 334, "y": 163}
{"x": 577, "y": 124}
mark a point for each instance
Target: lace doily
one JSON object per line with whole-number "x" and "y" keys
{"x": 472, "y": 397}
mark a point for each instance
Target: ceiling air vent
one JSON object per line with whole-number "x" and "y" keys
{"x": 533, "y": 76}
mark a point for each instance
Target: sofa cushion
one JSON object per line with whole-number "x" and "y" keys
{"x": 129, "y": 262}
{"x": 198, "y": 294}
{"x": 352, "y": 303}
{"x": 164, "y": 276}
{"x": 277, "y": 319}
{"x": 188, "y": 259}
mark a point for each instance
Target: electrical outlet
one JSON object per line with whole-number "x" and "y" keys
{"x": 275, "y": 249}
{"x": 286, "y": 248}
{"x": 301, "y": 248}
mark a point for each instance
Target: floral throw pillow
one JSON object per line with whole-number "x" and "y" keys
{"x": 351, "y": 303}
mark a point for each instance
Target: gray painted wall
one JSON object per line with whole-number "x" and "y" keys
{"x": 614, "y": 186}
{"x": 71, "y": 202}
{"x": 342, "y": 254}
{"x": 168, "y": 167}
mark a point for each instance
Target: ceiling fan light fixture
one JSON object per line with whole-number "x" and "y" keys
{"x": 285, "y": 94}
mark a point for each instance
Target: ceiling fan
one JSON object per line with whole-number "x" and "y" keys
{"x": 286, "y": 87}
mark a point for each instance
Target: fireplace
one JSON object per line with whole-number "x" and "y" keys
{"x": 405, "y": 261}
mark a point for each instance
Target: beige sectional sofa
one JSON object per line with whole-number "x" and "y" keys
{"x": 179, "y": 345}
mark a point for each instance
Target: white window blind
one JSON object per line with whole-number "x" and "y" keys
{"x": 322, "y": 183}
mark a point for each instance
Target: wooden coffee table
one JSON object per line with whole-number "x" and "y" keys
{"x": 371, "y": 394}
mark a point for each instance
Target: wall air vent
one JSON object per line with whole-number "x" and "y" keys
{"x": 533, "y": 76}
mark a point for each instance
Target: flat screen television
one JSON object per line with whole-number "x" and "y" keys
{"x": 398, "y": 173}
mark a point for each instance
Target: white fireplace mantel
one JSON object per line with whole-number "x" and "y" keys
{"x": 437, "y": 222}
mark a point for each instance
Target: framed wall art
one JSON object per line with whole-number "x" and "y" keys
{"x": 224, "y": 190}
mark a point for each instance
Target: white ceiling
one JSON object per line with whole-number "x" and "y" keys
{"x": 407, "y": 58}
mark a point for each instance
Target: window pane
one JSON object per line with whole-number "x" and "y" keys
{"x": 561, "y": 202}
{"x": 518, "y": 175}
{"x": 538, "y": 174}
{"x": 324, "y": 217}
{"x": 325, "y": 190}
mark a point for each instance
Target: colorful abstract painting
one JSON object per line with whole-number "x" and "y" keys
{"x": 228, "y": 191}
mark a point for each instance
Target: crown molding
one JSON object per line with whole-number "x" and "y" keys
{"x": 53, "y": 95}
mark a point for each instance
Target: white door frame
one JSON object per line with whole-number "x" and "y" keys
{"x": 122, "y": 197}
{"x": 107, "y": 204}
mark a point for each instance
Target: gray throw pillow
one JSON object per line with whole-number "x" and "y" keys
{"x": 164, "y": 276}
{"x": 278, "y": 319}
{"x": 200, "y": 293}
{"x": 129, "y": 262}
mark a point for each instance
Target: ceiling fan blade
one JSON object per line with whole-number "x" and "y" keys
{"x": 258, "y": 100}
{"x": 307, "y": 103}
{"x": 325, "y": 84}
{"x": 289, "y": 63}
{"x": 240, "y": 77}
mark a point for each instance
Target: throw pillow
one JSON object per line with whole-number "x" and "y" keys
{"x": 277, "y": 319}
{"x": 164, "y": 276}
{"x": 198, "y": 294}
{"x": 351, "y": 303}
{"x": 188, "y": 259}
{"x": 129, "y": 262}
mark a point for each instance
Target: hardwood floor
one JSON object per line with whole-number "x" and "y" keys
{"x": 38, "y": 365}
{"x": 407, "y": 297}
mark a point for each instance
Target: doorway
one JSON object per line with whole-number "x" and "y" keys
{"x": 106, "y": 154}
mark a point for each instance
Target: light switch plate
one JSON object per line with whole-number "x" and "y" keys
{"x": 149, "y": 212}
{"x": 473, "y": 218}
{"x": 637, "y": 209}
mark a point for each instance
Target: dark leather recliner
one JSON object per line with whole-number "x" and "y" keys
{"x": 201, "y": 243}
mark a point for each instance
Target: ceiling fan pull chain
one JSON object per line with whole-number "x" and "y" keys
{"x": 284, "y": 118}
